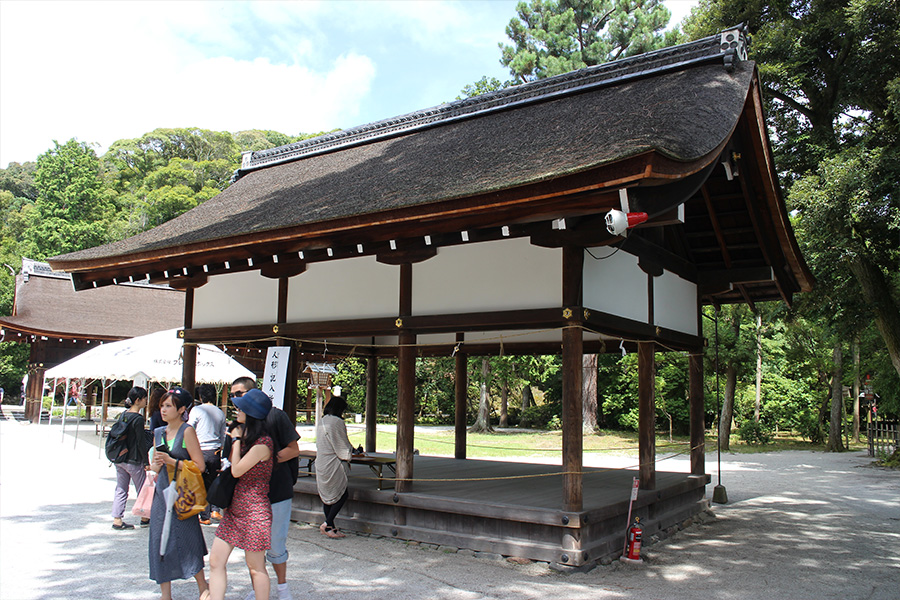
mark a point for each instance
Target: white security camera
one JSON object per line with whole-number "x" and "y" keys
{"x": 616, "y": 222}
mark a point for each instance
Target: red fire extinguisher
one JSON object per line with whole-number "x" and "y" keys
{"x": 633, "y": 545}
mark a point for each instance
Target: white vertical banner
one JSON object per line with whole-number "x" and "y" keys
{"x": 278, "y": 361}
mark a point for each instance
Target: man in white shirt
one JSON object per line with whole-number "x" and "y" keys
{"x": 209, "y": 423}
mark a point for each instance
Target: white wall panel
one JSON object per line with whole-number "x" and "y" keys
{"x": 353, "y": 288}
{"x": 231, "y": 299}
{"x": 615, "y": 284}
{"x": 488, "y": 276}
{"x": 675, "y": 304}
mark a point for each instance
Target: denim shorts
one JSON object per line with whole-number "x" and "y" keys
{"x": 281, "y": 522}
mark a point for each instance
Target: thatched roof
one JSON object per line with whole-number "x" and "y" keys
{"x": 47, "y": 305}
{"x": 521, "y": 156}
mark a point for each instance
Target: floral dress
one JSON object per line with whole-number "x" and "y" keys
{"x": 247, "y": 523}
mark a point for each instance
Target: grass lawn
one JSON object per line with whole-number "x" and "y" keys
{"x": 507, "y": 443}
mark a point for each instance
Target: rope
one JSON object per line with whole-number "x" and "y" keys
{"x": 502, "y": 338}
{"x": 534, "y": 475}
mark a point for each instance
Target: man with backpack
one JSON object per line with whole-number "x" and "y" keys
{"x": 126, "y": 448}
{"x": 208, "y": 421}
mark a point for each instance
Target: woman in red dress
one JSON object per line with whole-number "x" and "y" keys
{"x": 247, "y": 523}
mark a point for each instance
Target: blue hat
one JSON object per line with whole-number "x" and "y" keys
{"x": 254, "y": 403}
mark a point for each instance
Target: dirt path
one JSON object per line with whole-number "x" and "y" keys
{"x": 801, "y": 525}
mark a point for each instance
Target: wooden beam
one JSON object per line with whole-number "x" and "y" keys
{"x": 281, "y": 310}
{"x": 647, "y": 414}
{"x": 572, "y": 353}
{"x": 406, "y": 415}
{"x": 697, "y": 411}
{"x": 371, "y": 402}
{"x": 460, "y": 400}
{"x": 406, "y": 386}
{"x": 188, "y": 351}
{"x": 406, "y": 256}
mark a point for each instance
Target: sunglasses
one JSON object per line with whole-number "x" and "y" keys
{"x": 237, "y": 394}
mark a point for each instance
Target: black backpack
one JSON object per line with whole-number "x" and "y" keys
{"x": 117, "y": 441}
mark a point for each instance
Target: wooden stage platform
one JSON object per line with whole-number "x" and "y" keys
{"x": 508, "y": 508}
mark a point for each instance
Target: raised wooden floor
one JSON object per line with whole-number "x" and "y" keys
{"x": 508, "y": 508}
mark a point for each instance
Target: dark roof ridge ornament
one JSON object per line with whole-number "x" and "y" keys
{"x": 730, "y": 45}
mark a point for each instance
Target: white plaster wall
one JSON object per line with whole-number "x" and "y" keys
{"x": 231, "y": 299}
{"x": 615, "y": 284}
{"x": 675, "y": 303}
{"x": 353, "y": 288}
{"x": 488, "y": 276}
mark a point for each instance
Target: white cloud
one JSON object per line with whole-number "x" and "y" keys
{"x": 130, "y": 67}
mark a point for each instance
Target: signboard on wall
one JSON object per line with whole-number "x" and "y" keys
{"x": 278, "y": 360}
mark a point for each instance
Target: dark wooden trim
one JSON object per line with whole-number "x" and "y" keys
{"x": 460, "y": 400}
{"x": 653, "y": 253}
{"x": 697, "y": 411}
{"x": 721, "y": 277}
{"x": 406, "y": 416}
{"x": 289, "y": 265}
{"x": 406, "y": 256}
{"x": 572, "y": 374}
{"x": 189, "y": 308}
{"x": 647, "y": 414}
{"x": 185, "y": 283}
{"x": 406, "y": 292}
{"x": 371, "y": 402}
{"x": 283, "y": 285}
{"x": 189, "y": 367}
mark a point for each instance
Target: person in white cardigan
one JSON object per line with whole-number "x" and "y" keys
{"x": 333, "y": 453}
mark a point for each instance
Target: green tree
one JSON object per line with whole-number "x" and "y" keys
{"x": 72, "y": 210}
{"x": 551, "y": 37}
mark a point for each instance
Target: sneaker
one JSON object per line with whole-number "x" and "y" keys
{"x": 284, "y": 592}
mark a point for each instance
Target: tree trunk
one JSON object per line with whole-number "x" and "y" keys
{"x": 483, "y": 421}
{"x": 527, "y": 397}
{"x": 527, "y": 402}
{"x": 504, "y": 405}
{"x": 835, "y": 444}
{"x": 856, "y": 387}
{"x": 877, "y": 294}
{"x": 589, "y": 393}
{"x": 757, "y": 408}
{"x": 727, "y": 408}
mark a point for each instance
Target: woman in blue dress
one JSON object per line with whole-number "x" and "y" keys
{"x": 185, "y": 550}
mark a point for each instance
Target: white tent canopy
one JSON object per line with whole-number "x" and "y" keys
{"x": 157, "y": 356}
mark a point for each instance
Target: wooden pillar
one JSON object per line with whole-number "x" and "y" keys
{"x": 460, "y": 400}
{"x": 406, "y": 386}
{"x": 371, "y": 403}
{"x": 647, "y": 414}
{"x": 697, "y": 411}
{"x": 189, "y": 351}
{"x": 34, "y": 393}
{"x": 572, "y": 353}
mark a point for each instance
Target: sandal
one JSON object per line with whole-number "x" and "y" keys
{"x": 123, "y": 526}
{"x": 333, "y": 533}
{"x": 145, "y": 522}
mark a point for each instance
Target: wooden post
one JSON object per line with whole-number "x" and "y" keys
{"x": 371, "y": 403}
{"x": 189, "y": 351}
{"x": 647, "y": 414}
{"x": 406, "y": 386}
{"x": 572, "y": 354}
{"x": 698, "y": 425}
{"x": 460, "y": 397}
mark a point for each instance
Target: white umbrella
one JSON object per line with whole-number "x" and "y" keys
{"x": 157, "y": 355}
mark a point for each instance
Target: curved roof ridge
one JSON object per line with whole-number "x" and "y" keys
{"x": 729, "y": 46}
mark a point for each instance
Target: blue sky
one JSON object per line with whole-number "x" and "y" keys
{"x": 102, "y": 71}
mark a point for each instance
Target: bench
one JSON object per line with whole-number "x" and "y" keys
{"x": 375, "y": 463}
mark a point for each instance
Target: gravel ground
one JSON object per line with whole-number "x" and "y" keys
{"x": 805, "y": 525}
